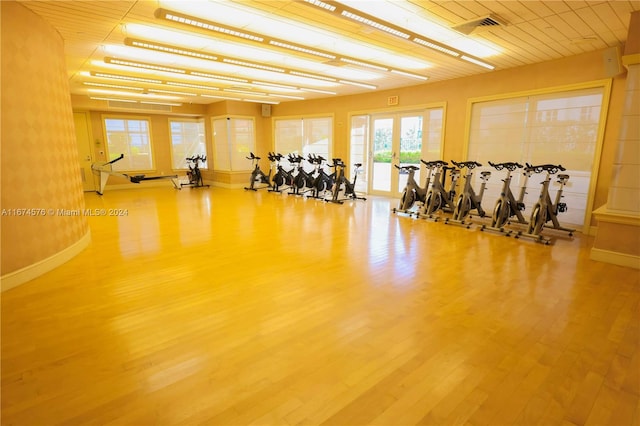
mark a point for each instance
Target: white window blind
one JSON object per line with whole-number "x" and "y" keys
{"x": 303, "y": 136}
{"x": 187, "y": 140}
{"x": 233, "y": 139}
{"x": 551, "y": 128}
{"x": 131, "y": 138}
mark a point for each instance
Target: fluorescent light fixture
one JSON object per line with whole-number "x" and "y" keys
{"x": 321, "y": 5}
{"x": 245, "y": 92}
{"x": 314, "y": 76}
{"x": 218, "y": 77}
{"x": 363, "y": 64}
{"x": 374, "y": 24}
{"x": 277, "y": 86}
{"x": 408, "y": 74}
{"x": 285, "y": 96}
{"x": 436, "y": 47}
{"x": 113, "y": 99}
{"x": 193, "y": 86}
{"x": 326, "y": 92}
{"x": 125, "y": 77}
{"x": 355, "y": 83}
{"x": 171, "y": 92}
{"x": 301, "y": 49}
{"x": 112, "y": 86}
{"x": 199, "y": 23}
{"x": 477, "y": 62}
{"x": 169, "y": 49}
{"x": 252, "y": 65}
{"x": 135, "y": 95}
{"x": 220, "y": 97}
{"x": 143, "y": 65}
{"x": 259, "y": 101}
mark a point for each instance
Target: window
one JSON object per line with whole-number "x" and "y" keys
{"x": 303, "y": 136}
{"x": 131, "y": 138}
{"x": 552, "y": 128}
{"x": 233, "y": 139}
{"x": 187, "y": 140}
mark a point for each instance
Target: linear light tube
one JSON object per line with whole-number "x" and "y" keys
{"x": 125, "y": 77}
{"x": 326, "y": 92}
{"x": 285, "y": 96}
{"x": 374, "y": 24}
{"x": 408, "y": 74}
{"x": 301, "y": 49}
{"x": 112, "y": 86}
{"x": 218, "y": 77}
{"x": 193, "y": 86}
{"x": 206, "y": 25}
{"x": 355, "y": 83}
{"x": 477, "y": 62}
{"x": 171, "y": 92}
{"x": 143, "y": 65}
{"x": 314, "y": 76}
{"x": 252, "y": 65}
{"x": 113, "y": 99}
{"x": 321, "y": 5}
{"x": 363, "y": 64}
{"x": 435, "y": 47}
{"x": 169, "y": 49}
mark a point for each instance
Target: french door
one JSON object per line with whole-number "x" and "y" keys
{"x": 395, "y": 140}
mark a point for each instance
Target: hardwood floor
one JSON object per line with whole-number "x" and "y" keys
{"x": 217, "y": 306}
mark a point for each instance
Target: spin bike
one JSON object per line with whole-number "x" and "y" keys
{"x": 302, "y": 179}
{"x": 468, "y": 200}
{"x": 282, "y": 177}
{"x": 194, "y": 175}
{"x": 438, "y": 198}
{"x": 412, "y": 192}
{"x": 340, "y": 179}
{"x": 507, "y": 206}
{"x": 257, "y": 175}
{"x": 322, "y": 182}
{"x": 545, "y": 210}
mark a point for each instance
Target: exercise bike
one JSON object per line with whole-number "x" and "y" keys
{"x": 507, "y": 205}
{"x": 438, "y": 198}
{"x": 257, "y": 175}
{"x": 322, "y": 182}
{"x": 282, "y": 177}
{"x": 194, "y": 175}
{"x": 468, "y": 200}
{"x": 302, "y": 178}
{"x": 545, "y": 210}
{"x": 340, "y": 179}
{"x": 412, "y": 192}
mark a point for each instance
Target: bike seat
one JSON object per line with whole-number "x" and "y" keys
{"x": 485, "y": 175}
{"x": 357, "y": 165}
{"x": 563, "y": 178}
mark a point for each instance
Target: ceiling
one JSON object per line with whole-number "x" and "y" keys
{"x": 202, "y": 52}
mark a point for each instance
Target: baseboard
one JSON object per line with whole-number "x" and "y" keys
{"x": 620, "y": 259}
{"x": 21, "y": 276}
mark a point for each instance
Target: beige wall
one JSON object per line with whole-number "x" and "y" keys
{"x": 40, "y": 168}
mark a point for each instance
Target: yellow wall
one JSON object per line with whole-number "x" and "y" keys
{"x": 40, "y": 167}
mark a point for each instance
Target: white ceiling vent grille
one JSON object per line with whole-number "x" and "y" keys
{"x": 480, "y": 24}
{"x": 141, "y": 107}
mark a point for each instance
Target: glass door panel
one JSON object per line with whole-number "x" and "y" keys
{"x": 410, "y": 147}
{"x": 382, "y": 152}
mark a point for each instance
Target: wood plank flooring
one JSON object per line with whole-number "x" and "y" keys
{"x": 225, "y": 307}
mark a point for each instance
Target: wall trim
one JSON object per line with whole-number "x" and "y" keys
{"x": 604, "y": 214}
{"x": 620, "y": 259}
{"x": 21, "y": 276}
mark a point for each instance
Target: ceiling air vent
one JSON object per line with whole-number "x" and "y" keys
{"x": 141, "y": 107}
{"x": 480, "y": 24}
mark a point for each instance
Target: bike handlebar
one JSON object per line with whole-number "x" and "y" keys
{"x": 549, "y": 168}
{"x": 511, "y": 166}
{"x": 468, "y": 164}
